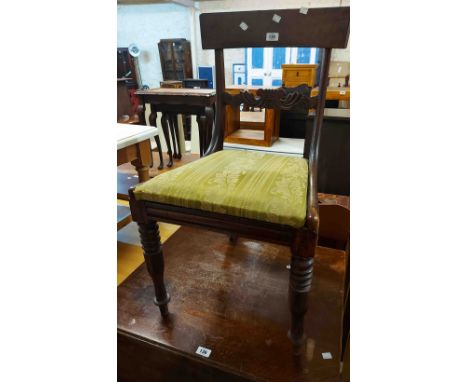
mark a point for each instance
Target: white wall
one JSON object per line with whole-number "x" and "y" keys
{"x": 145, "y": 25}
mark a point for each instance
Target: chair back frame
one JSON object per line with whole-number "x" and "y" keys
{"x": 324, "y": 28}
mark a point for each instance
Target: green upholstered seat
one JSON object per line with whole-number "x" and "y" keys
{"x": 261, "y": 186}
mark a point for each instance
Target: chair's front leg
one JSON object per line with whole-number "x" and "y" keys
{"x": 151, "y": 242}
{"x": 300, "y": 280}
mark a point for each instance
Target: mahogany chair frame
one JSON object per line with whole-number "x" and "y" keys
{"x": 324, "y": 28}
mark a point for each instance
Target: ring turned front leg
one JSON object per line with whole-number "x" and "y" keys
{"x": 151, "y": 242}
{"x": 300, "y": 281}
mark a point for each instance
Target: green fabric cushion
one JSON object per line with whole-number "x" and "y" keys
{"x": 253, "y": 185}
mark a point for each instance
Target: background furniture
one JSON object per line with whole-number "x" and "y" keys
{"x": 298, "y": 74}
{"x": 171, "y": 102}
{"x": 195, "y": 83}
{"x": 293, "y": 122}
{"x": 335, "y": 93}
{"x": 126, "y": 114}
{"x": 176, "y": 59}
{"x": 207, "y": 72}
{"x": 133, "y": 145}
{"x": 333, "y": 164}
{"x": 339, "y": 74}
{"x": 126, "y": 68}
{"x": 327, "y": 28}
{"x": 124, "y": 106}
{"x": 171, "y": 84}
{"x": 174, "y": 84}
{"x": 192, "y": 83}
{"x": 255, "y": 128}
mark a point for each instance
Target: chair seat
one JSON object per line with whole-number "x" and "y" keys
{"x": 261, "y": 186}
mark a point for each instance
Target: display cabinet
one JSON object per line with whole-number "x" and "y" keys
{"x": 176, "y": 59}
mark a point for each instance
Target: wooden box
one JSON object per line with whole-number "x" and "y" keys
{"x": 171, "y": 84}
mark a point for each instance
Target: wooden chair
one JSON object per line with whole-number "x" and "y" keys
{"x": 257, "y": 195}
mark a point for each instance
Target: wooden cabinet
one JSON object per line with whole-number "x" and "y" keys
{"x": 176, "y": 59}
{"x": 126, "y": 67}
{"x": 298, "y": 74}
{"x": 127, "y": 84}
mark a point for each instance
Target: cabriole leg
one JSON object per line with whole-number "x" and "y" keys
{"x": 158, "y": 144}
{"x": 165, "y": 127}
{"x": 151, "y": 243}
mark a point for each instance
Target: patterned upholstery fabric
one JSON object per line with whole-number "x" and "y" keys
{"x": 261, "y": 186}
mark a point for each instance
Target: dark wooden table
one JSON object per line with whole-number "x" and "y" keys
{"x": 231, "y": 299}
{"x": 171, "y": 102}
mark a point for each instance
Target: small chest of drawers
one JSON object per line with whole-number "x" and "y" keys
{"x": 297, "y": 74}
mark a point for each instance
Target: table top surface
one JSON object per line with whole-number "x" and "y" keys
{"x": 128, "y": 135}
{"x": 178, "y": 92}
{"x": 245, "y": 331}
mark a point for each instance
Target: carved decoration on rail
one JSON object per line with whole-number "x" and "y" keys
{"x": 272, "y": 99}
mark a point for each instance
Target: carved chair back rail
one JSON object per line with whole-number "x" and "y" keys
{"x": 325, "y": 28}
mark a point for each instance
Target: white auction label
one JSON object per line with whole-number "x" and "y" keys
{"x": 304, "y": 10}
{"x": 272, "y": 36}
{"x": 276, "y": 18}
{"x": 342, "y": 92}
{"x": 327, "y": 355}
{"x": 204, "y": 352}
{"x": 243, "y": 26}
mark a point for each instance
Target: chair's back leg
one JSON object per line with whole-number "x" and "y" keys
{"x": 217, "y": 140}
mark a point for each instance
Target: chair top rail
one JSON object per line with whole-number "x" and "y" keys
{"x": 319, "y": 27}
